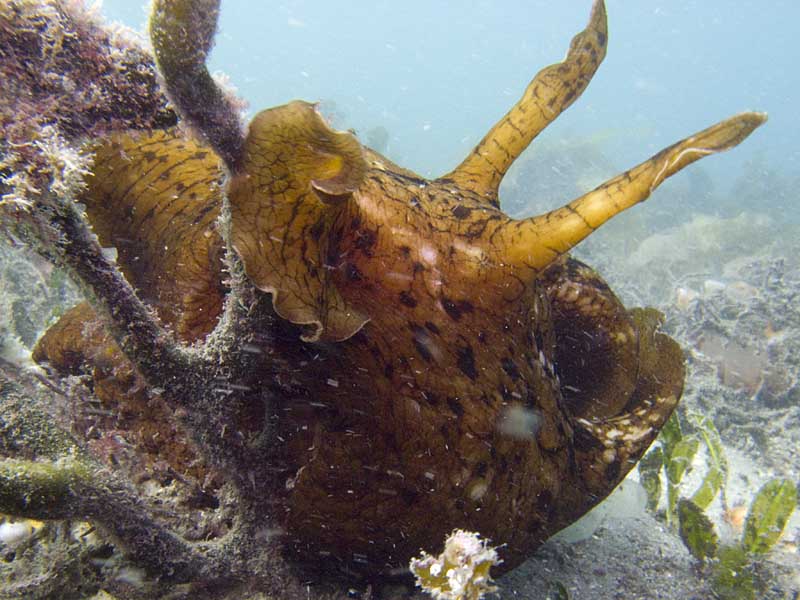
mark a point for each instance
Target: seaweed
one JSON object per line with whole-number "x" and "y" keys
{"x": 732, "y": 566}
{"x": 671, "y": 458}
{"x": 769, "y": 512}
{"x": 696, "y": 530}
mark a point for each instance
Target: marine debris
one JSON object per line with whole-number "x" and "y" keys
{"x": 296, "y": 361}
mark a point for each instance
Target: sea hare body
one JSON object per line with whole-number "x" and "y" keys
{"x": 450, "y": 367}
{"x": 437, "y": 380}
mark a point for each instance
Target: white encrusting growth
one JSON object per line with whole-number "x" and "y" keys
{"x": 461, "y": 572}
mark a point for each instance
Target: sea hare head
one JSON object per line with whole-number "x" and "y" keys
{"x": 296, "y": 174}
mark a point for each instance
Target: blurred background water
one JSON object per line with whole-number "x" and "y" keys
{"x": 437, "y": 75}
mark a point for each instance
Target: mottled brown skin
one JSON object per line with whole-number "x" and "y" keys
{"x": 156, "y": 200}
{"x": 456, "y": 368}
{"x": 412, "y": 440}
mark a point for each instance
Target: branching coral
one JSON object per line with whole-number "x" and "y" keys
{"x": 305, "y": 313}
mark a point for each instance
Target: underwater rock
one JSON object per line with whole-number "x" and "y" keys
{"x": 743, "y": 358}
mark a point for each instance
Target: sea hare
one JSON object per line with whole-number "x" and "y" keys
{"x": 451, "y": 367}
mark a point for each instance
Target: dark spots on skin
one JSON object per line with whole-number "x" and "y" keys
{"x": 431, "y": 327}
{"x": 419, "y": 339}
{"x": 405, "y": 251}
{"x": 585, "y": 441}
{"x": 200, "y": 155}
{"x": 202, "y": 212}
{"x": 461, "y": 212}
{"x": 456, "y": 308}
{"x": 465, "y": 359}
{"x": 407, "y": 299}
{"x": 451, "y": 308}
{"x": 601, "y": 38}
{"x": 455, "y": 406}
{"x": 612, "y": 471}
{"x": 365, "y": 241}
{"x": 417, "y": 267}
{"x": 511, "y": 368}
{"x": 317, "y": 229}
{"x": 505, "y": 393}
{"x": 180, "y": 186}
{"x": 544, "y": 501}
{"x": 149, "y": 155}
{"x": 352, "y": 273}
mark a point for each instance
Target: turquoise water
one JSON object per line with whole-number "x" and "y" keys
{"x": 438, "y": 74}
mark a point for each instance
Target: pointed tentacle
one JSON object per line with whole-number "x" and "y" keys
{"x": 536, "y": 242}
{"x": 550, "y": 93}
